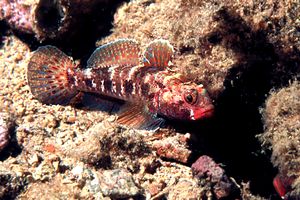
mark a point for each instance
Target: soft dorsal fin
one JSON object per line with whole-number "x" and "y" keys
{"x": 136, "y": 116}
{"x": 158, "y": 54}
{"x": 122, "y": 52}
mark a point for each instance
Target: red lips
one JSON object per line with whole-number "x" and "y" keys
{"x": 203, "y": 112}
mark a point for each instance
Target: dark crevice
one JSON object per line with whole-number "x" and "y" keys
{"x": 4, "y": 31}
{"x": 49, "y": 15}
{"x": 13, "y": 149}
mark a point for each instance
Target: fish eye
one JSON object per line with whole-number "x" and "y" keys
{"x": 191, "y": 96}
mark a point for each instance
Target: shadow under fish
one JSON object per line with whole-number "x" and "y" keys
{"x": 142, "y": 89}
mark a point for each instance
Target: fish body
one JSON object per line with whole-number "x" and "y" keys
{"x": 117, "y": 71}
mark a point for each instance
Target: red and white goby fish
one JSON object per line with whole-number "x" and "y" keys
{"x": 148, "y": 85}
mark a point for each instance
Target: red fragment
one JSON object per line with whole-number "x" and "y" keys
{"x": 282, "y": 184}
{"x": 50, "y": 148}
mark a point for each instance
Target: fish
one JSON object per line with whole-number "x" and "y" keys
{"x": 148, "y": 84}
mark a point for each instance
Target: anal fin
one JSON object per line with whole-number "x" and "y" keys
{"x": 136, "y": 116}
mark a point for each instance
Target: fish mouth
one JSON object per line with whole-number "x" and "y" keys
{"x": 202, "y": 113}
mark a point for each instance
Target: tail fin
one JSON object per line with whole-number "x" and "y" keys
{"x": 50, "y": 76}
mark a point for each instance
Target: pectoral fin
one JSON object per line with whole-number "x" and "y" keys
{"x": 136, "y": 116}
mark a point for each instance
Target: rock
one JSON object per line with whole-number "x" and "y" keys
{"x": 174, "y": 147}
{"x": 210, "y": 173}
{"x": 44, "y": 171}
{"x": 117, "y": 183}
{"x": 206, "y": 167}
{"x": 34, "y": 160}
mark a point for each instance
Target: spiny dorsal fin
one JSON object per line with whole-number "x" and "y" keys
{"x": 136, "y": 116}
{"x": 122, "y": 52}
{"x": 158, "y": 54}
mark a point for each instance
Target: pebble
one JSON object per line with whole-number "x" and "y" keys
{"x": 20, "y": 110}
{"x": 49, "y": 121}
{"x": 44, "y": 172}
{"x": 111, "y": 118}
{"x": 77, "y": 171}
{"x": 34, "y": 160}
{"x": 155, "y": 187}
{"x": 71, "y": 119}
{"x": 55, "y": 165}
{"x": 18, "y": 57}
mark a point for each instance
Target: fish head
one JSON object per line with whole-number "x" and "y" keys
{"x": 185, "y": 101}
